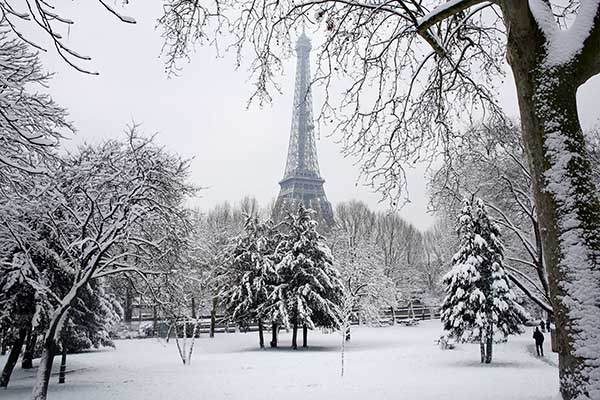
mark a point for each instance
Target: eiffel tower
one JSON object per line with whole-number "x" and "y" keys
{"x": 302, "y": 180}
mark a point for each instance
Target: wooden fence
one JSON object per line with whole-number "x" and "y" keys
{"x": 148, "y": 326}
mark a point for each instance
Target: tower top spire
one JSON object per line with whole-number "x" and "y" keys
{"x": 303, "y": 42}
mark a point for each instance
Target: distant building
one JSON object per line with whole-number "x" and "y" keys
{"x": 302, "y": 180}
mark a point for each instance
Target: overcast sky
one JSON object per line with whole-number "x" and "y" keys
{"x": 202, "y": 114}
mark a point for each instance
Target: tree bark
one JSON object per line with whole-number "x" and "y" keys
{"x": 261, "y": 336}
{"x": 304, "y": 336}
{"x": 27, "y": 361}
{"x": 567, "y": 204}
{"x": 127, "y": 313}
{"x": 40, "y": 389}
{"x": 193, "y": 307}
{"x": 213, "y": 317}
{"x": 154, "y": 320}
{"x": 488, "y": 346}
{"x": 274, "y": 334}
{"x": 295, "y": 335}
{"x": 13, "y": 357}
{"x": 63, "y": 364}
{"x": 482, "y": 348}
{"x": 3, "y": 342}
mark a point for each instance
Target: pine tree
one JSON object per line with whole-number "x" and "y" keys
{"x": 505, "y": 314}
{"x": 479, "y": 306}
{"x": 311, "y": 287}
{"x": 252, "y": 276}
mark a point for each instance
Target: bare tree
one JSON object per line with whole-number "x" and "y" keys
{"x": 48, "y": 19}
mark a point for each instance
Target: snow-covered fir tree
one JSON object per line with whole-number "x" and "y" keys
{"x": 310, "y": 284}
{"x": 251, "y": 277}
{"x": 480, "y": 305}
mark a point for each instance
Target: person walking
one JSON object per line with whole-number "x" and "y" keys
{"x": 539, "y": 342}
{"x": 542, "y": 326}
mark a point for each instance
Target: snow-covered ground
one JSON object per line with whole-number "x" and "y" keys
{"x": 381, "y": 363}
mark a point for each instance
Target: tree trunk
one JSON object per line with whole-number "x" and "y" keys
{"x": 566, "y": 200}
{"x": 488, "y": 346}
{"x": 213, "y": 317}
{"x": 154, "y": 321}
{"x": 193, "y": 307}
{"x": 63, "y": 364}
{"x": 13, "y": 357}
{"x": 295, "y": 335}
{"x": 304, "y": 336}
{"x": 348, "y": 333}
{"x": 140, "y": 317}
{"x": 261, "y": 336}
{"x": 482, "y": 348}
{"x": 274, "y": 334}
{"x": 40, "y": 389}
{"x": 128, "y": 309}
{"x": 3, "y": 342}
{"x": 27, "y": 361}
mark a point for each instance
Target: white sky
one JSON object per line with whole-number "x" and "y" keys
{"x": 202, "y": 114}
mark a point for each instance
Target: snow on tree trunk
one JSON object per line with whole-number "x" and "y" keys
{"x": 345, "y": 327}
{"x": 40, "y": 389}
{"x": 566, "y": 198}
{"x": 63, "y": 364}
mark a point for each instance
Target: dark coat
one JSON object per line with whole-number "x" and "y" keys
{"x": 539, "y": 337}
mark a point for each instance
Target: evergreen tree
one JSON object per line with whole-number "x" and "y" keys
{"x": 310, "y": 285}
{"x": 479, "y": 306}
{"x": 252, "y": 276}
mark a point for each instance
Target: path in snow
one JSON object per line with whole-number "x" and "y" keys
{"x": 381, "y": 363}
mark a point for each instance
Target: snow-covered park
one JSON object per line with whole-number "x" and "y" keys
{"x": 380, "y": 363}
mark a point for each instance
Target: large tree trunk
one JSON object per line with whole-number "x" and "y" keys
{"x": 567, "y": 204}
{"x": 13, "y": 357}
{"x": 40, "y": 389}
{"x": 304, "y": 336}
{"x": 274, "y": 335}
{"x": 261, "y": 336}
{"x": 27, "y": 361}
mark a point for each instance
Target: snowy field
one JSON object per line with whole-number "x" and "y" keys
{"x": 381, "y": 363}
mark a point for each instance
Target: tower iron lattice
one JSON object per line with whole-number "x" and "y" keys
{"x": 302, "y": 181}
